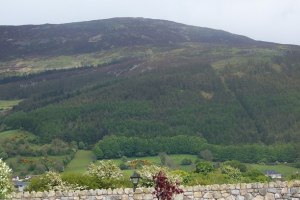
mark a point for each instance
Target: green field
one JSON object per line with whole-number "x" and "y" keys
{"x": 83, "y": 158}
{"x": 80, "y": 162}
{"x": 8, "y": 104}
{"x": 281, "y": 168}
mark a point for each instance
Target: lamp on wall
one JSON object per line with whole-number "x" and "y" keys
{"x": 135, "y": 177}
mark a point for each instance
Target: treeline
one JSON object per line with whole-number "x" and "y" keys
{"x": 30, "y": 147}
{"x": 118, "y": 146}
{"x": 257, "y": 153}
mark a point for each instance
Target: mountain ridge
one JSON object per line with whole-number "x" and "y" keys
{"x": 97, "y": 35}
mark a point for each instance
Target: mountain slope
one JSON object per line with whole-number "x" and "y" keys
{"x": 147, "y": 78}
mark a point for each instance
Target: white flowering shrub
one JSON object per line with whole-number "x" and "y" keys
{"x": 105, "y": 170}
{"x": 55, "y": 182}
{"x": 147, "y": 173}
{"x": 5, "y": 179}
{"x": 107, "y": 173}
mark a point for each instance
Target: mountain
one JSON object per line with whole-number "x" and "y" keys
{"x": 148, "y": 78}
{"x": 84, "y": 37}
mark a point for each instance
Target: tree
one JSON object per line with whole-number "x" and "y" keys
{"x": 98, "y": 152}
{"x": 5, "y": 183}
{"x": 164, "y": 189}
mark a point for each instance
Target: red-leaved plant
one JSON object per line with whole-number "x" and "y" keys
{"x": 164, "y": 189}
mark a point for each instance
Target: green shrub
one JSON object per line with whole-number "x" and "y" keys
{"x": 52, "y": 181}
{"x": 254, "y": 175}
{"x": 233, "y": 174}
{"x": 294, "y": 177}
{"x": 204, "y": 167}
{"x": 185, "y": 176}
{"x": 236, "y": 164}
{"x": 81, "y": 180}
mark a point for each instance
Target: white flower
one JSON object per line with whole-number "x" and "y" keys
{"x": 5, "y": 179}
{"x": 56, "y": 183}
{"x": 105, "y": 170}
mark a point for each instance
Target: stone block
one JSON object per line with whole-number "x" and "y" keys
{"x": 215, "y": 187}
{"x": 239, "y": 197}
{"x": 294, "y": 190}
{"x": 243, "y": 186}
{"x": 217, "y": 194}
{"x": 124, "y": 197}
{"x": 232, "y": 186}
{"x": 109, "y": 191}
{"x": 208, "y": 195}
{"x": 148, "y": 197}
{"x": 270, "y": 196}
{"x": 230, "y": 197}
{"x": 277, "y": 196}
{"x": 178, "y": 197}
{"x": 235, "y": 192}
{"x": 262, "y": 191}
{"x": 225, "y": 195}
{"x": 243, "y": 192}
{"x": 127, "y": 191}
{"x": 138, "y": 196}
{"x": 196, "y": 188}
{"x": 271, "y": 185}
{"x": 197, "y": 194}
{"x": 248, "y": 196}
{"x": 223, "y": 187}
{"x": 258, "y": 197}
{"x": 272, "y": 190}
{"x": 285, "y": 190}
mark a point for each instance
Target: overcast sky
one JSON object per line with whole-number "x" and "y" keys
{"x": 268, "y": 20}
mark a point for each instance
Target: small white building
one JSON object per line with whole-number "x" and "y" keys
{"x": 273, "y": 174}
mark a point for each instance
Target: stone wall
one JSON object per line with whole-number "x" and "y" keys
{"x": 267, "y": 191}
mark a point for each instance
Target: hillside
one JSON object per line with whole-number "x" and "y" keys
{"x": 84, "y": 37}
{"x": 148, "y": 78}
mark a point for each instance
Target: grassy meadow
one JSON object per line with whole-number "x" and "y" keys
{"x": 280, "y": 168}
{"x": 80, "y": 162}
{"x": 8, "y": 104}
{"x": 83, "y": 158}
